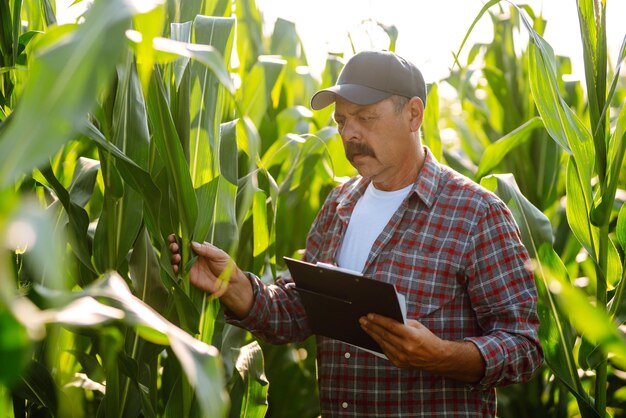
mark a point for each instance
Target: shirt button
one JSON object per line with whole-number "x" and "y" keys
{"x": 347, "y": 355}
{"x": 344, "y": 405}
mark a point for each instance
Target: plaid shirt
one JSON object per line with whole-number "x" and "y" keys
{"x": 453, "y": 249}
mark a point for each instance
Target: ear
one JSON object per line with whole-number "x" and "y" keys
{"x": 416, "y": 109}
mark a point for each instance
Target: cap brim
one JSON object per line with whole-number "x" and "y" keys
{"x": 354, "y": 93}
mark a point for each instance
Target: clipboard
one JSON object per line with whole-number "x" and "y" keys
{"x": 334, "y": 300}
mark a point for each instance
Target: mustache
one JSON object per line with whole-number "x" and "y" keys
{"x": 358, "y": 148}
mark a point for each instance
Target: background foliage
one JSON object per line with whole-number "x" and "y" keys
{"x": 187, "y": 118}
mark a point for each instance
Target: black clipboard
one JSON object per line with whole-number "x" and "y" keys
{"x": 334, "y": 300}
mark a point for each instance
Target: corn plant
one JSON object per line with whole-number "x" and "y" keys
{"x": 579, "y": 324}
{"x": 140, "y": 134}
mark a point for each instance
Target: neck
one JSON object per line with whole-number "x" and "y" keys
{"x": 403, "y": 177}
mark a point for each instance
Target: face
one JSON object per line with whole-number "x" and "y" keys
{"x": 380, "y": 141}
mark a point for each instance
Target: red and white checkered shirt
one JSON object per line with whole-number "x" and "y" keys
{"x": 454, "y": 251}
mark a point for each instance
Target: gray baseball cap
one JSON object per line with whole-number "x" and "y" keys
{"x": 371, "y": 76}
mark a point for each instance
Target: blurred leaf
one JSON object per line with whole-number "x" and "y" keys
{"x": 285, "y": 41}
{"x": 73, "y": 71}
{"x": 250, "y": 28}
{"x": 38, "y": 386}
{"x": 249, "y": 385}
{"x": 181, "y": 32}
{"x": 199, "y": 361}
{"x": 620, "y": 228}
{"x": 496, "y": 152}
{"x": 254, "y": 99}
{"x": 432, "y": 137}
{"x": 78, "y": 220}
{"x": 15, "y": 348}
{"x": 150, "y": 25}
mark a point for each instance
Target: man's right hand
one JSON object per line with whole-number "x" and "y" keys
{"x": 235, "y": 291}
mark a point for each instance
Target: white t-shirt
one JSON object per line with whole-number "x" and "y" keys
{"x": 371, "y": 214}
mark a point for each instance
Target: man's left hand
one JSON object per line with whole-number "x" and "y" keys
{"x": 415, "y": 346}
{"x": 406, "y": 346}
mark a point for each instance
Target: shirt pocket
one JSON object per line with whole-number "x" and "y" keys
{"x": 429, "y": 280}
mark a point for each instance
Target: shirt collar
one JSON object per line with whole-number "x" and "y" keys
{"x": 428, "y": 179}
{"x": 425, "y": 185}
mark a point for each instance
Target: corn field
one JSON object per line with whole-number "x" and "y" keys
{"x": 150, "y": 118}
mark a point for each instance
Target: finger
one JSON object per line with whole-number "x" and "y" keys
{"x": 381, "y": 320}
{"x": 382, "y": 332}
{"x": 175, "y": 268}
{"x": 208, "y": 250}
{"x": 174, "y": 247}
{"x": 392, "y": 352}
{"x": 171, "y": 238}
{"x": 175, "y": 259}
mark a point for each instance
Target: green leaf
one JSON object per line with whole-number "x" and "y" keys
{"x": 535, "y": 227}
{"x": 620, "y": 228}
{"x": 150, "y": 25}
{"x": 15, "y": 348}
{"x": 73, "y": 71}
{"x": 432, "y": 137}
{"x": 145, "y": 272}
{"x": 260, "y": 230}
{"x": 170, "y": 150}
{"x": 181, "y": 32}
{"x": 38, "y": 386}
{"x": 119, "y": 221}
{"x": 497, "y": 151}
{"x": 254, "y": 96}
{"x": 199, "y": 361}
{"x": 603, "y": 202}
{"x": 136, "y": 177}
{"x": 78, "y": 220}
{"x": 249, "y": 385}
{"x": 557, "y": 338}
{"x": 84, "y": 180}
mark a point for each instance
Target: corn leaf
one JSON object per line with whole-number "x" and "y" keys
{"x": 78, "y": 220}
{"x": 145, "y": 273}
{"x": 73, "y": 70}
{"x": 535, "y": 227}
{"x": 432, "y": 137}
{"x": 557, "y": 338}
{"x": 170, "y": 150}
{"x": 497, "y": 151}
{"x": 620, "y": 229}
{"x": 249, "y": 385}
{"x": 135, "y": 176}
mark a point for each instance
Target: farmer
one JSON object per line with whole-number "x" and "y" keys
{"x": 451, "y": 247}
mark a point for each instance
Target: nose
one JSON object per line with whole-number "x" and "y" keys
{"x": 349, "y": 131}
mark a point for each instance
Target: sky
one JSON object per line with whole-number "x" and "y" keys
{"x": 429, "y": 30}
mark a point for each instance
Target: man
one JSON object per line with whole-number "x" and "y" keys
{"x": 451, "y": 247}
